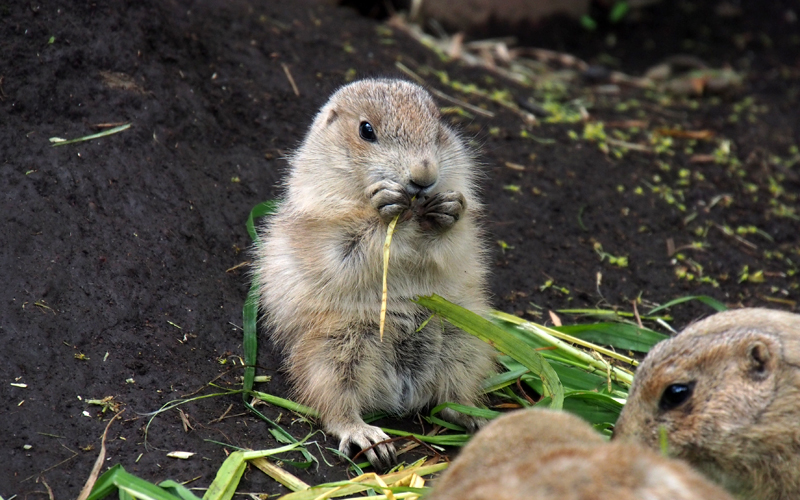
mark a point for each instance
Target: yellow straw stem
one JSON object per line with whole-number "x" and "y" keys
{"x": 386, "y": 246}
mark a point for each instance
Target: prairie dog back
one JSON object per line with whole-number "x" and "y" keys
{"x": 726, "y": 393}
{"x": 376, "y": 150}
{"x": 550, "y": 455}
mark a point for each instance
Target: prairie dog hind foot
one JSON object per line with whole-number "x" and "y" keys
{"x": 357, "y": 436}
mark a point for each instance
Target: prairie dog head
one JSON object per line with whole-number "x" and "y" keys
{"x": 725, "y": 393}
{"x": 381, "y": 129}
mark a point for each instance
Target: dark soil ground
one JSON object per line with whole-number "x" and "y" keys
{"x": 117, "y": 252}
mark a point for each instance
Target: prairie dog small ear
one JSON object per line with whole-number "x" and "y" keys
{"x": 331, "y": 117}
{"x": 759, "y": 360}
{"x": 443, "y": 134}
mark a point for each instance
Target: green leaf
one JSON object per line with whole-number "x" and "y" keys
{"x": 286, "y": 403}
{"x": 705, "y": 299}
{"x": 128, "y": 485}
{"x": 268, "y": 207}
{"x": 441, "y": 439}
{"x": 500, "y": 380}
{"x": 592, "y": 407}
{"x": 501, "y": 339}
{"x": 98, "y": 135}
{"x": 285, "y": 438}
{"x": 613, "y": 315}
{"x": 467, "y": 410}
{"x": 619, "y": 335}
{"x": 357, "y": 468}
{"x": 178, "y": 490}
{"x": 250, "y": 340}
{"x": 588, "y": 23}
{"x": 105, "y": 483}
{"x": 574, "y": 378}
{"x": 540, "y": 337}
{"x": 224, "y": 485}
{"x": 619, "y": 11}
{"x": 351, "y": 488}
{"x": 596, "y": 409}
{"x": 444, "y": 423}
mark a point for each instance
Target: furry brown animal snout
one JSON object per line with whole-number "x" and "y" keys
{"x": 423, "y": 176}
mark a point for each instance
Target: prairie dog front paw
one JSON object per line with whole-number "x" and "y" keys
{"x": 442, "y": 210}
{"x": 389, "y": 198}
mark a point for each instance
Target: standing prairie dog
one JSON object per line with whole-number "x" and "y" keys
{"x": 377, "y": 149}
{"x": 549, "y": 455}
{"x": 725, "y": 393}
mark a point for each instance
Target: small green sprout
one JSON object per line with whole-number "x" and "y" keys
{"x": 621, "y": 261}
{"x": 504, "y": 246}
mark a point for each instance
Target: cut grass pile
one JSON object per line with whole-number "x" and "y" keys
{"x": 575, "y": 368}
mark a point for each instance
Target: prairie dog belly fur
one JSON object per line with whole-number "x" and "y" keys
{"x": 377, "y": 149}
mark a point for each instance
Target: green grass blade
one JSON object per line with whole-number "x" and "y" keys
{"x": 178, "y": 490}
{"x": 94, "y": 136}
{"x": 250, "y": 340}
{"x": 250, "y": 311}
{"x": 287, "y": 404}
{"x": 105, "y": 485}
{"x": 250, "y": 343}
{"x": 597, "y": 409}
{"x": 613, "y": 315}
{"x": 228, "y": 476}
{"x": 250, "y": 455}
{"x": 117, "y": 478}
{"x": 619, "y": 335}
{"x": 561, "y": 340}
{"x": 349, "y": 488}
{"x": 357, "y": 468}
{"x": 441, "y": 440}
{"x": 574, "y": 378}
{"x": 705, "y": 299}
{"x": 501, "y": 339}
{"x": 500, "y": 380}
{"x": 592, "y": 407}
{"x": 444, "y": 423}
{"x": 284, "y": 437}
{"x": 467, "y": 410}
{"x": 268, "y": 207}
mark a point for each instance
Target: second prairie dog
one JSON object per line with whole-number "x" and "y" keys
{"x": 725, "y": 393}
{"x": 376, "y": 149}
{"x": 549, "y": 455}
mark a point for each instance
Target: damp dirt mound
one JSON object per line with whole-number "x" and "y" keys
{"x": 122, "y": 257}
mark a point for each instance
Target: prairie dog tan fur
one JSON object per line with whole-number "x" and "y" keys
{"x": 377, "y": 149}
{"x": 549, "y": 455}
{"x": 726, "y": 392}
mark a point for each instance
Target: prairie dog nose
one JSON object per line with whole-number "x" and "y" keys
{"x": 424, "y": 174}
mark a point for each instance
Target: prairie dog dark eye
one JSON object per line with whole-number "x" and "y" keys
{"x": 675, "y": 395}
{"x": 366, "y": 132}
